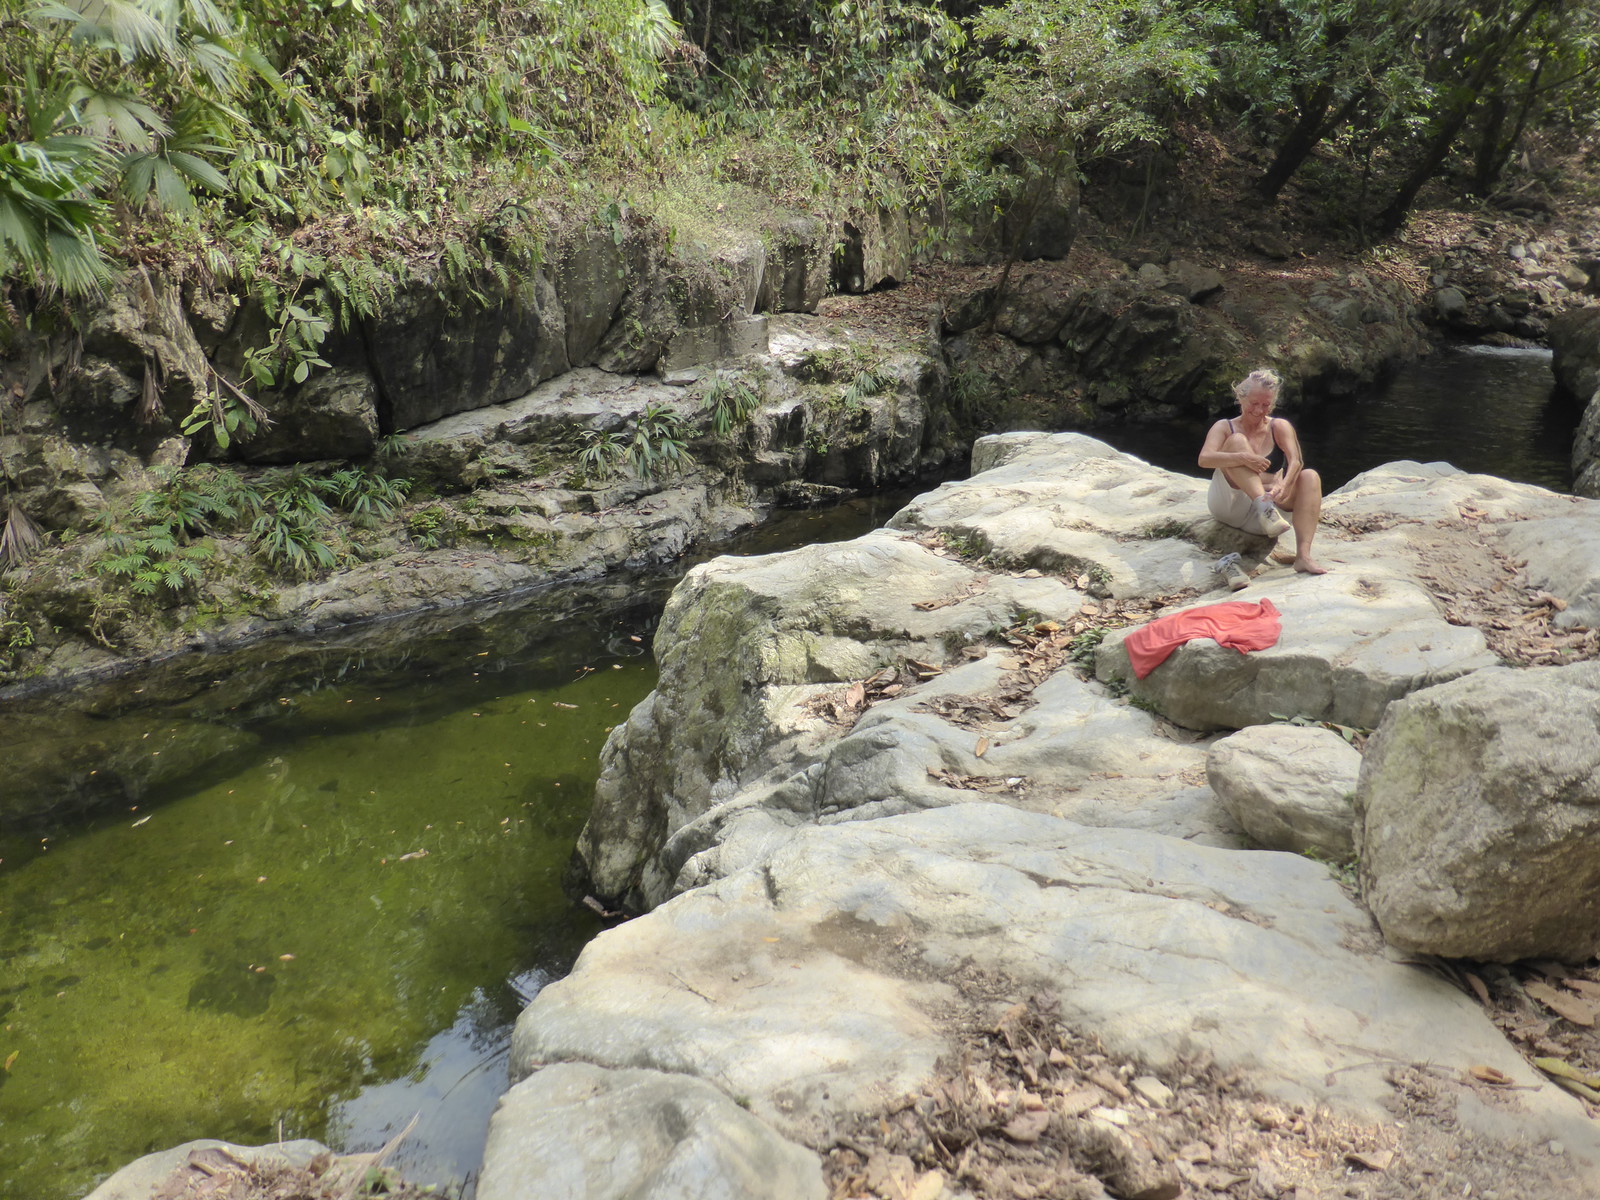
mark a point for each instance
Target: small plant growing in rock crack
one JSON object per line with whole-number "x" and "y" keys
{"x": 1346, "y": 870}
{"x": 601, "y": 455}
{"x": 368, "y": 498}
{"x": 15, "y": 637}
{"x": 658, "y": 445}
{"x": 730, "y": 403}
{"x": 294, "y": 516}
{"x": 1169, "y": 528}
{"x": 153, "y": 559}
{"x": 866, "y": 383}
{"x": 968, "y": 545}
{"x": 430, "y": 527}
{"x": 1082, "y": 648}
{"x": 287, "y": 532}
{"x": 390, "y": 445}
{"x": 151, "y": 546}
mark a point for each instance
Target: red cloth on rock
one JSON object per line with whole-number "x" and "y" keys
{"x": 1237, "y": 623}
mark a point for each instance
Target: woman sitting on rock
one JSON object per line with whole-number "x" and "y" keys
{"x": 1257, "y": 469}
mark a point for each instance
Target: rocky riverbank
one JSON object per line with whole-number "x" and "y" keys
{"x": 888, "y": 791}
{"x": 1575, "y": 341}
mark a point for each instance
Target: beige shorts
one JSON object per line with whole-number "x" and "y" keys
{"x": 1232, "y": 507}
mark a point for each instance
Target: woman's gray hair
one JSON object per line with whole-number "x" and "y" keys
{"x": 1257, "y": 379}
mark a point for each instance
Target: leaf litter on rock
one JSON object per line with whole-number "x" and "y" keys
{"x": 1017, "y": 1110}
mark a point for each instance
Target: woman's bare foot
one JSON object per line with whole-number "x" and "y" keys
{"x": 1306, "y": 566}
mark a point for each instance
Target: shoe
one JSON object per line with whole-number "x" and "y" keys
{"x": 1272, "y": 522}
{"x": 1228, "y": 567}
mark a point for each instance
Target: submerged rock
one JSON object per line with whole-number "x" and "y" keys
{"x": 1480, "y": 817}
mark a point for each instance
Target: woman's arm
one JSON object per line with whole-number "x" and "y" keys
{"x": 1213, "y": 456}
{"x": 1289, "y": 442}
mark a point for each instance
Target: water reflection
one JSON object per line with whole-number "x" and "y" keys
{"x": 1479, "y": 408}
{"x": 330, "y": 923}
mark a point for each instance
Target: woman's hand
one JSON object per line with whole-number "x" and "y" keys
{"x": 1255, "y": 462}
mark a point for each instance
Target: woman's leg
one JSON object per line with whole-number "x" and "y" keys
{"x": 1305, "y": 510}
{"x": 1243, "y": 478}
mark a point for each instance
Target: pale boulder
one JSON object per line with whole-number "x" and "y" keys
{"x": 1479, "y": 803}
{"x": 577, "y": 1132}
{"x": 1289, "y": 787}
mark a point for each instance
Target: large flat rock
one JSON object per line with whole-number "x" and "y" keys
{"x": 840, "y": 876}
{"x": 578, "y": 1132}
{"x": 1071, "y": 504}
{"x": 1373, "y": 629}
{"x": 737, "y": 637}
{"x": 818, "y": 981}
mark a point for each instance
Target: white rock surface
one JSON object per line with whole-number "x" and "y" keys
{"x": 145, "y": 1177}
{"x": 1071, "y": 504}
{"x": 1480, "y": 805}
{"x": 830, "y": 896}
{"x": 577, "y": 1132}
{"x": 740, "y": 641}
{"x": 1289, "y": 787}
{"x": 1371, "y": 631}
{"x": 817, "y": 982}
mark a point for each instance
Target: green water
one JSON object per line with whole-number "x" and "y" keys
{"x": 253, "y": 953}
{"x": 145, "y": 994}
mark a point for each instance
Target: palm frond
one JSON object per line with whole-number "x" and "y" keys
{"x": 123, "y": 25}
{"x": 149, "y": 410}
{"x": 217, "y": 62}
{"x": 21, "y": 538}
{"x": 119, "y": 119}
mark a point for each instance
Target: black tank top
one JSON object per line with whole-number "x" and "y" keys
{"x": 1275, "y": 458}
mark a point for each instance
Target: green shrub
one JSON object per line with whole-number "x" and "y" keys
{"x": 658, "y": 445}
{"x": 730, "y": 404}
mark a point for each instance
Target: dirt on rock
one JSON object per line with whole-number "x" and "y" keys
{"x": 1479, "y": 586}
{"x": 1028, "y": 1108}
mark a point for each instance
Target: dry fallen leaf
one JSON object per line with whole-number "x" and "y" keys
{"x": 1574, "y": 1008}
{"x": 1079, "y": 1101}
{"x": 856, "y": 697}
{"x": 1489, "y": 1075}
{"x": 1027, "y": 1126}
{"x": 982, "y": 747}
{"x": 1378, "y": 1160}
{"x": 1479, "y": 989}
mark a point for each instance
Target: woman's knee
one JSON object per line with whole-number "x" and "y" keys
{"x": 1309, "y": 483}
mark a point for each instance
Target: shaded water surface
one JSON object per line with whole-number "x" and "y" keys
{"x": 338, "y": 931}
{"x": 1478, "y": 408}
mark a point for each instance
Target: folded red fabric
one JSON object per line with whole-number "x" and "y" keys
{"x": 1237, "y": 623}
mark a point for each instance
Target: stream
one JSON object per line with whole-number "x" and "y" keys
{"x": 1481, "y": 408}
{"x": 338, "y": 929}
{"x": 335, "y": 929}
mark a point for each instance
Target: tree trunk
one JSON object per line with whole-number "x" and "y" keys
{"x": 1454, "y": 117}
{"x": 1486, "y": 163}
{"x": 1305, "y": 137}
{"x": 1297, "y": 147}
